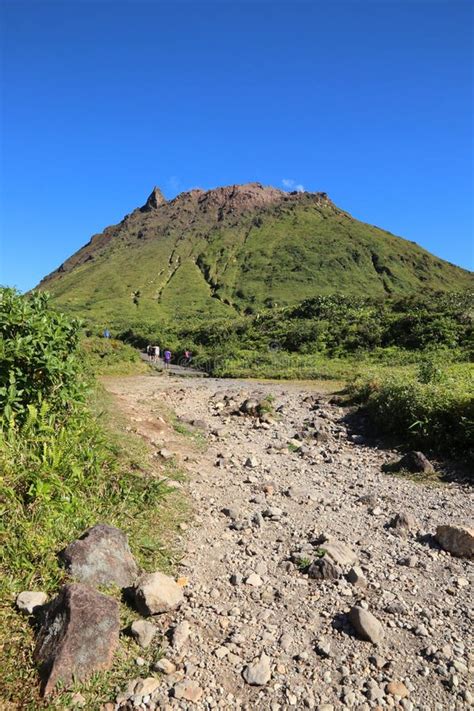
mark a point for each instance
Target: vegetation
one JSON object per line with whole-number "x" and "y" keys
{"x": 431, "y": 408}
{"x": 185, "y": 263}
{"x": 62, "y": 469}
{"x": 109, "y": 356}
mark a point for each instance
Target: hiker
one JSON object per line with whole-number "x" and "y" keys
{"x": 187, "y": 357}
{"x": 156, "y": 353}
{"x": 167, "y": 358}
{"x": 106, "y": 333}
{"x": 149, "y": 352}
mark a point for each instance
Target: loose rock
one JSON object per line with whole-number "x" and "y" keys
{"x": 458, "y": 540}
{"x": 78, "y": 636}
{"x": 188, "y": 690}
{"x": 366, "y": 625}
{"x": 101, "y": 556}
{"x": 28, "y": 601}
{"x": 156, "y": 593}
{"x": 259, "y": 672}
{"x": 143, "y": 632}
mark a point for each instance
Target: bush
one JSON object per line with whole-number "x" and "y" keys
{"x": 110, "y": 356}
{"x": 39, "y": 360}
{"x": 436, "y": 414}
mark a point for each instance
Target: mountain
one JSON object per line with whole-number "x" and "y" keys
{"x": 238, "y": 249}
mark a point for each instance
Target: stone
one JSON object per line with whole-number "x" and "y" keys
{"x": 414, "y": 462}
{"x": 324, "y": 569}
{"x": 180, "y": 635}
{"x": 156, "y": 593}
{"x": 259, "y": 672}
{"x": 146, "y": 687}
{"x": 397, "y": 688}
{"x": 143, "y": 632}
{"x": 366, "y": 625}
{"x": 251, "y": 462}
{"x": 187, "y": 690}
{"x": 254, "y": 580}
{"x": 340, "y": 553}
{"x": 78, "y": 636}
{"x": 166, "y": 454}
{"x": 250, "y": 407}
{"x": 356, "y": 577}
{"x": 164, "y": 666}
{"x": 457, "y": 540}
{"x": 323, "y": 648}
{"x": 28, "y": 600}
{"x": 101, "y": 556}
{"x": 404, "y": 523}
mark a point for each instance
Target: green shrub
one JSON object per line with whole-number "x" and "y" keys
{"x": 110, "y": 356}
{"x": 39, "y": 360}
{"x": 62, "y": 470}
{"x": 436, "y": 414}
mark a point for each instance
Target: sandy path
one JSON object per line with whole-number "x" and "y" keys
{"x": 254, "y": 519}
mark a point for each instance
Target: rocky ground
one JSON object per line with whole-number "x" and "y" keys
{"x": 264, "y": 623}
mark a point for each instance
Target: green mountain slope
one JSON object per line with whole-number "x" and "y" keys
{"x": 238, "y": 249}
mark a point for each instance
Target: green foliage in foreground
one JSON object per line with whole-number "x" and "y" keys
{"x": 39, "y": 359}
{"x": 62, "y": 469}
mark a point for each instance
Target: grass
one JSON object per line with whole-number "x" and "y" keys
{"x": 108, "y": 356}
{"x": 166, "y": 267}
{"x": 99, "y": 472}
{"x": 437, "y": 415}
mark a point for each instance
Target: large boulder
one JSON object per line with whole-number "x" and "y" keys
{"x": 101, "y": 556}
{"x": 456, "y": 539}
{"x": 414, "y": 462}
{"x": 78, "y": 636}
{"x": 156, "y": 593}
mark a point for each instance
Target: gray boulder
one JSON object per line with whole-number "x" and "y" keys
{"x": 366, "y": 625}
{"x": 143, "y": 632}
{"x": 78, "y": 636}
{"x": 414, "y": 462}
{"x": 101, "y": 556}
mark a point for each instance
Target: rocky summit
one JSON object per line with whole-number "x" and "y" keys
{"x": 236, "y": 249}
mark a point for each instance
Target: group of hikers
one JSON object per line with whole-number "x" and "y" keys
{"x": 153, "y": 353}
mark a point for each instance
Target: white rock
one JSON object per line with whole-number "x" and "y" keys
{"x": 156, "y": 593}
{"x": 27, "y": 600}
{"x": 254, "y": 580}
{"x": 259, "y": 672}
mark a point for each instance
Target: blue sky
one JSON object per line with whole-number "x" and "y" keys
{"x": 368, "y": 101}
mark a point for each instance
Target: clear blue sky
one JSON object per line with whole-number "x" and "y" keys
{"x": 368, "y": 101}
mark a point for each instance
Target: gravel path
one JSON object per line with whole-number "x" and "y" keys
{"x": 267, "y": 497}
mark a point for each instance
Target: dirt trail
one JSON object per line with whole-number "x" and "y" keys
{"x": 262, "y": 505}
